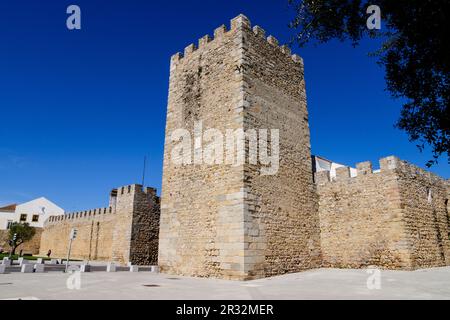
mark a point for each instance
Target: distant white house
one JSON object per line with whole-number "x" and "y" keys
{"x": 35, "y": 212}
{"x": 322, "y": 164}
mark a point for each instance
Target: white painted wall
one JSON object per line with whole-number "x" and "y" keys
{"x": 41, "y": 207}
{"x": 5, "y": 217}
{"x": 327, "y": 165}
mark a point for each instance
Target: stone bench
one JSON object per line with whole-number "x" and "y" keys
{"x": 154, "y": 269}
{"x": 111, "y": 267}
{"x": 22, "y": 261}
{"x": 134, "y": 268}
{"x": 6, "y": 262}
{"x": 85, "y": 268}
{"x": 27, "y": 268}
{"x": 39, "y": 268}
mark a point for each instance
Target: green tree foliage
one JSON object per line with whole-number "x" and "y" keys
{"x": 23, "y": 231}
{"x": 415, "y": 53}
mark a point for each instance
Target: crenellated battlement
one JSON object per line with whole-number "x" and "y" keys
{"x": 87, "y": 214}
{"x": 240, "y": 22}
{"x": 386, "y": 164}
{"x": 134, "y": 188}
{"x": 362, "y": 169}
{"x": 99, "y": 212}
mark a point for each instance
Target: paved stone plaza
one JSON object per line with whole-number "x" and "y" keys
{"x": 313, "y": 284}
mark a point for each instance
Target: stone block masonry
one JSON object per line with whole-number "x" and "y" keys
{"x": 395, "y": 218}
{"x": 126, "y": 231}
{"x": 230, "y": 221}
{"x": 280, "y": 211}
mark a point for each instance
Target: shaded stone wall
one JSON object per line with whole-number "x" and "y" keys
{"x": 109, "y": 234}
{"x": 201, "y": 214}
{"x": 383, "y": 218}
{"x": 145, "y": 229}
{"x": 282, "y": 221}
{"x": 227, "y": 221}
{"x": 425, "y": 211}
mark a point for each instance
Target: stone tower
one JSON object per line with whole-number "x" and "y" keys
{"x": 236, "y": 220}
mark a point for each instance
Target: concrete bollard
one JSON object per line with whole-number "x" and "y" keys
{"x": 85, "y": 268}
{"x": 111, "y": 267}
{"x": 39, "y": 268}
{"x": 23, "y": 262}
{"x": 2, "y": 268}
{"x": 20, "y": 261}
{"x": 53, "y": 261}
{"x": 154, "y": 269}
{"x": 6, "y": 262}
{"x": 134, "y": 268}
{"x": 39, "y": 261}
{"x": 27, "y": 268}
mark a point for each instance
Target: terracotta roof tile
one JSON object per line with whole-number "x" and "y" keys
{"x": 9, "y": 208}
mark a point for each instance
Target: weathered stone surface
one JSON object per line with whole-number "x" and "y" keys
{"x": 280, "y": 210}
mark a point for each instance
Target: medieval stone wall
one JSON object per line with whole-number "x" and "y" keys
{"x": 383, "y": 218}
{"x": 94, "y": 235}
{"x": 425, "y": 212}
{"x": 106, "y": 234}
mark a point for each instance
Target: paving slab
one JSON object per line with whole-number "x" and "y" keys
{"x": 313, "y": 284}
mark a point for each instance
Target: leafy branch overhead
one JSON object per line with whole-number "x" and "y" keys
{"x": 415, "y": 54}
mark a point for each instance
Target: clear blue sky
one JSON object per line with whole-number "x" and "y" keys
{"x": 80, "y": 109}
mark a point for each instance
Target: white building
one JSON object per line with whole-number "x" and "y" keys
{"x": 35, "y": 212}
{"x": 322, "y": 164}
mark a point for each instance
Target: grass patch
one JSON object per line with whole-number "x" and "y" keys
{"x": 16, "y": 256}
